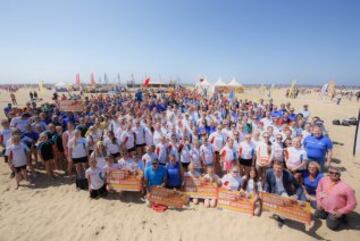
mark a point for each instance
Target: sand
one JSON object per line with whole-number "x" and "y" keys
{"x": 54, "y": 210}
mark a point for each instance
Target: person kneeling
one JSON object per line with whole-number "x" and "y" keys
{"x": 335, "y": 199}
{"x": 96, "y": 180}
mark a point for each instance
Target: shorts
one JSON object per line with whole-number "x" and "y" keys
{"x": 99, "y": 192}
{"x": 185, "y": 164}
{"x": 172, "y": 187}
{"x": 48, "y": 157}
{"x": 246, "y": 162}
{"x": 140, "y": 145}
{"x": 80, "y": 160}
{"x": 115, "y": 155}
{"x": 132, "y": 149}
{"x": 18, "y": 169}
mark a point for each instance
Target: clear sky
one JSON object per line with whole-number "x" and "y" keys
{"x": 254, "y": 41}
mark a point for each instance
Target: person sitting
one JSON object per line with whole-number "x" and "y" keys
{"x": 311, "y": 179}
{"x": 233, "y": 180}
{"x": 251, "y": 183}
{"x": 212, "y": 178}
{"x": 155, "y": 175}
{"x": 335, "y": 199}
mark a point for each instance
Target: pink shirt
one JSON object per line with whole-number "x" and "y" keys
{"x": 338, "y": 197}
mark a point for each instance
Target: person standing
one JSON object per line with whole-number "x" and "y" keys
{"x": 318, "y": 147}
{"x": 335, "y": 199}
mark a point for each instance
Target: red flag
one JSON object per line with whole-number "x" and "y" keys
{"x": 146, "y": 82}
{"x": 77, "y": 81}
{"x": 92, "y": 80}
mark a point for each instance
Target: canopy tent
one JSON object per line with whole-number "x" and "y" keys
{"x": 60, "y": 84}
{"x": 236, "y": 86}
{"x": 219, "y": 82}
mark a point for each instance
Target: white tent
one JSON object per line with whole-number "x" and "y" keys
{"x": 233, "y": 82}
{"x": 60, "y": 84}
{"x": 219, "y": 82}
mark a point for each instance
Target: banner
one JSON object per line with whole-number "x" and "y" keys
{"x": 167, "y": 197}
{"x": 236, "y": 201}
{"x": 123, "y": 180}
{"x": 72, "y": 105}
{"x": 199, "y": 188}
{"x": 286, "y": 207}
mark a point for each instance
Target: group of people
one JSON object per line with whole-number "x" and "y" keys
{"x": 237, "y": 144}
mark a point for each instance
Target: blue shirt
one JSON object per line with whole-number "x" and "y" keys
{"x": 311, "y": 185}
{"x": 316, "y": 148}
{"x": 155, "y": 177}
{"x": 173, "y": 175}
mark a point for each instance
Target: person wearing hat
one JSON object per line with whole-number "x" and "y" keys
{"x": 335, "y": 199}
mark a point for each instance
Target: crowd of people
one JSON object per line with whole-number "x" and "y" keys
{"x": 237, "y": 144}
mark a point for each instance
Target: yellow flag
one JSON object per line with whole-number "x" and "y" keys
{"x": 292, "y": 88}
{"x": 41, "y": 86}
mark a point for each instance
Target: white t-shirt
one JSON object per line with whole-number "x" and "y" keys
{"x": 112, "y": 148}
{"x": 148, "y": 137}
{"x": 100, "y": 162}
{"x": 157, "y": 137}
{"x": 20, "y": 123}
{"x": 128, "y": 164}
{"x": 80, "y": 148}
{"x": 97, "y": 177}
{"x": 277, "y": 151}
{"x": 250, "y": 187}
{"x": 208, "y": 152}
{"x": 227, "y": 154}
{"x": 147, "y": 159}
{"x": 5, "y": 135}
{"x": 195, "y": 157}
{"x": 128, "y": 138}
{"x": 140, "y": 135}
{"x": 295, "y": 157}
{"x": 217, "y": 140}
{"x": 263, "y": 156}
{"x": 230, "y": 182}
{"x": 185, "y": 154}
{"x": 91, "y": 141}
{"x": 19, "y": 154}
{"x": 246, "y": 150}
{"x": 162, "y": 152}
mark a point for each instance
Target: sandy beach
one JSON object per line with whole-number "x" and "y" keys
{"x": 54, "y": 210}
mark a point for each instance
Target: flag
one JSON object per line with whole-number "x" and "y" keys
{"x": 146, "y": 82}
{"x": 106, "y": 79}
{"x": 201, "y": 80}
{"x": 92, "y": 79}
{"x": 118, "y": 78}
{"x": 41, "y": 86}
{"x": 356, "y": 150}
{"x": 77, "y": 79}
{"x": 231, "y": 95}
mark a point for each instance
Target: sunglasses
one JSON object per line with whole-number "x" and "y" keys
{"x": 334, "y": 173}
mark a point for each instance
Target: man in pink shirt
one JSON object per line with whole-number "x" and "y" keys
{"x": 334, "y": 198}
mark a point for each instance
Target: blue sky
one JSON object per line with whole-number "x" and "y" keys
{"x": 266, "y": 41}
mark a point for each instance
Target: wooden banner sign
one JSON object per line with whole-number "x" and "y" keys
{"x": 287, "y": 207}
{"x": 236, "y": 201}
{"x": 72, "y": 105}
{"x": 123, "y": 180}
{"x": 167, "y": 197}
{"x": 199, "y": 188}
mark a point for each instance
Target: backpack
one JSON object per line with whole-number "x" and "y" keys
{"x": 81, "y": 181}
{"x": 336, "y": 122}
